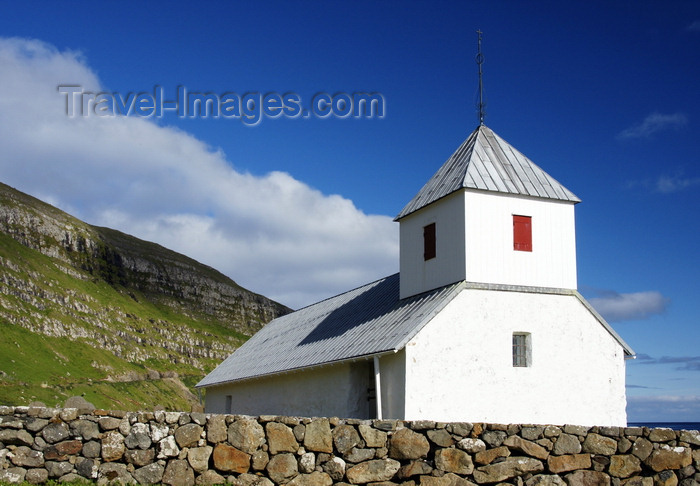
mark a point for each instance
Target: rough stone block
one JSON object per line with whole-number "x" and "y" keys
{"x": 282, "y": 468}
{"x": 188, "y": 435}
{"x": 178, "y": 473}
{"x": 461, "y": 429}
{"x": 109, "y": 423}
{"x": 280, "y": 438}
{"x": 624, "y": 466}
{"x": 421, "y": 424}
{"x": 472, "y": 445}
{"x": 359, "y": 455}
{"x": 230, "y": 459}
{"x": 490, "y": 455}
{"x": 140, "y": 458}
{"x": 414, "y": 468}
{"x": 575, "y": 429}
{"x": 334, "y": 467}
{"x": 314, "y": 479}
{"x": 516, "y": 443}
{"x": 662, "y": 435}
{"x": 112, "y": 446}
{"x": 373, "y": 471}
{"x": 669, "y": 458}
{"x": 167, "y": 447}
{"x": 55, "y": 432}
{"x": 307, "y": 463}
{"x": 407, "y": 444}
{"x": 637, "y": 481}
{"x": 598, "y": 444}
{"x": 453, "y": 461}
{"x": 510, "y": 468}
{"x": 440, "y": 437}
{"x": 532, "y": 432}
{"x": 210, "y": 478}
{"x": 259, "y": 460}
{"x": 198, "y": 457}
{"x": 569, "y": 462}
{"x": 690, "y": 437}
{"x": 567, "y": 444}
{"x": 13, "y": 474}
{"x": 114, "y": 473}
{"x": 23, "y": 456}
{"x": 372, "y": 436}
{"x": 665, "y": 478}
{"x": 587, "y": 478}
{"x": 246, "y": 435}
{"x": 87, "y": 468}
{"x": 545, "y": 480}
{"x": 317, "y": 436}
{"x": 149, "y": 474}
{"x": 160, "y": 432}
{"x": 216, "y": 429}
{"x": 32, "y": 425}
{"x": 57, "y": 469}
{"x": 36, "y": 476}
{"x": 494, "y": 438}
{"x": 642, "y": 448}
{"x": 85, "y": 429}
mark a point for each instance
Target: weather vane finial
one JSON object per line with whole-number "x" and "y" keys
{"x": 480, "y": 60}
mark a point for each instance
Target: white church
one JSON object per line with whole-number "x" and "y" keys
{"x": 483, "y": 322}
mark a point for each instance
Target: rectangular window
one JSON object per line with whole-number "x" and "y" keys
{"x": 522, "y": 353}
{"x": 522, "y": 233}
{"x": 429, "y": 241}
{"x": 229, "y": 404}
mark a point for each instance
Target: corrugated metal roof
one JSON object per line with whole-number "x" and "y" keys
{"x": 487, "y": 162}
{"x": 367, "y": 321}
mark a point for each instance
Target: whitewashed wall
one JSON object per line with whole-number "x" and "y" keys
{"x": 339, "y": 391}
{"x": 459, "y": 367}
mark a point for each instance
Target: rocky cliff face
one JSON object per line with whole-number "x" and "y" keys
{"x": 145, "y": 304}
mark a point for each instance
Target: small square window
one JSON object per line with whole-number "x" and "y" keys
{"x": 522, "y": 233}
{"x": 429, "y": 241}
{"x": 522, "y": 351}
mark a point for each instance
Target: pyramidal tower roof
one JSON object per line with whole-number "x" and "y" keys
{"x": 486, "y": 162}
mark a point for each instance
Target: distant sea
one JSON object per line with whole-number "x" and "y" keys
{"x": 668, "y": 425}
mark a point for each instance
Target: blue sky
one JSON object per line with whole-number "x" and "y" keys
{"x": 602, "y": 95}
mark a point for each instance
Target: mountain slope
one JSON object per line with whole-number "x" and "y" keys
{"x": 95, "y": 312}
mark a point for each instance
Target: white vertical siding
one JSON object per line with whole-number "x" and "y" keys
{"x": 474, "y": 239}
{"x": 459, "y": 367}
{"x": 419, "y": 275}
{"x": 490, "y": 257}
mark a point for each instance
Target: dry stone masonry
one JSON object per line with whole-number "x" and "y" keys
{"x": 184, "y": 449}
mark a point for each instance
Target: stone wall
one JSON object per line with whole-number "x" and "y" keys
{"x": 39, "y": 444}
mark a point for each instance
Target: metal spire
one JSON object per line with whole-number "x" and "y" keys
{"x": 480, "y": 60}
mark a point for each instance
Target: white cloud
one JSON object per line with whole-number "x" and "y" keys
{"x": 614, "y": 306}
{"x": 272, "y": 234}
{"x": 694, "y": 26}
{"x": 675, "y": 183}
{"x": 653, "y": 123}
{"x": 665, "y": 408}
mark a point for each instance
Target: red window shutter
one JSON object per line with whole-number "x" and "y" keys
{"x": 429, "y": 241}
{"x": 522, "y": 233}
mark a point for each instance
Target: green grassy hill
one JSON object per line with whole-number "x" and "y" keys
{"x": 94, "y": 312}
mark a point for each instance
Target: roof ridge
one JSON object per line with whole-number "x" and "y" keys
{"x": 485, "y": 161}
